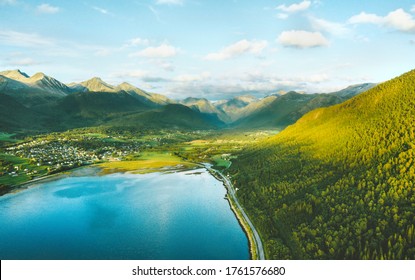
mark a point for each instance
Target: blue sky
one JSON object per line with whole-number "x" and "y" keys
{"x": 212, "y": 49}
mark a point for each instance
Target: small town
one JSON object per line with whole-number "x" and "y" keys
{"x": 36, "y": 157}
{"x": 64, "y": 154}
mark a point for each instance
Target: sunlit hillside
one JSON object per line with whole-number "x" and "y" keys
{"x": 339, "y": 184}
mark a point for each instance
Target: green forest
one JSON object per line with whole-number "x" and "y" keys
{"x": 338, "y": 184}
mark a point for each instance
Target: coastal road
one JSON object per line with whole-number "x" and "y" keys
{"x": 231, "y": 192}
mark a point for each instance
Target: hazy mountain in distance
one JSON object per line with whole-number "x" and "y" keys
{"x": 203, "y": 105}
{"x": 286, "y": 109}
{"x": 353, "y": 90}
{"x": 151, "y": 99}
{"x": 234, "y": 107}
{"x": 255, "y": 106}
{"x": 237, "y": 102}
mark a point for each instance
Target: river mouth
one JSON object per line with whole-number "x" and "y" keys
{"x": 156, "y": 216}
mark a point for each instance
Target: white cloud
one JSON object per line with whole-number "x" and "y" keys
{"x": 398, "y": 19}
{"x": 188, "y": 78}
{"x": 401, "y": 20}
{"x": 162, "y": 51}
{"x": 413, "y": 9}
{"x": 227, "y": 86}
{"x": 253, "y": 82}
{"x": 366, "y": 18}
{"x": 170, "y": 2}
{"x": 142, "y": 75}
{"x": 334, "y": 28}
{"x": 302, "y": 39}
{"x": 47, "y": 9}
{"x": 295, "y": 7}
{"x": 317, "y": 78}
{"x": 13, "y": 38}
{"x": 138, "y": 42}
{"x": 237, "y": 49}
{"x": 135, "y": 42}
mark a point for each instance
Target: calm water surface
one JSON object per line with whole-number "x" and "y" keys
{"x": 122, "y": 216}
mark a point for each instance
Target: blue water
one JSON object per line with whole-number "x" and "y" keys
{"x": 122, "y": 216}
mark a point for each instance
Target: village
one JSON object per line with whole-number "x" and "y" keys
{"x": 36, "y": 157}
{"x": 59, "y": 155}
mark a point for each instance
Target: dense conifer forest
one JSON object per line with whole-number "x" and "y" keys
{"x": 339, "y": 184}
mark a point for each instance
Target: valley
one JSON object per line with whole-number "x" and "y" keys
{"x": 321, "y": 176}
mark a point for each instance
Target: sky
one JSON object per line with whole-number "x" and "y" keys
{"x": 211, "y": 49}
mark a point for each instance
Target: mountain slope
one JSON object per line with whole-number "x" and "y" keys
{"x": 150, "y": 99}
{"x": 50, "y": 84}
{"x": 339, "y": 184}
{"x": 120, "y": 109}
{"x": 203, "y": 105}
{"x": 97, "y": 104}
{"x": 31, "y": 91}
{"x": 353, "y": 90}
{"x": 98, "y": 85}
{"x": 15, "y": 75}
{"x": 172, "y": 116}
{"x": 235, "y": 107}
{"x": 15, "y": 117}
{"x": 39, "y": 81}
{"x": 286, "y": 109}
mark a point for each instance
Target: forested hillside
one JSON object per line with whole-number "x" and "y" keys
{"x": 339, "y": 184}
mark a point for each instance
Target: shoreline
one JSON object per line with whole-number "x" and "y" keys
{"x": 47, "y": 178}
{"x": 25, "y": 185}
{"x": 93, "y": 169}
{"x": 254, "y": 249}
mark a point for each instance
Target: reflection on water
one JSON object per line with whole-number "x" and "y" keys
{"x": 122, "y": 216}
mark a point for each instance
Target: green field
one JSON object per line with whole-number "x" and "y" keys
{"x": 9, "y": 164}
{"x": 221, "y": 162}
{"x": 147, "y": 162}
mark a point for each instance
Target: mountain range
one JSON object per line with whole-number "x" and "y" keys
{"x": 52, "y": 105}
